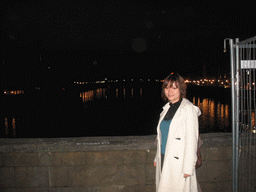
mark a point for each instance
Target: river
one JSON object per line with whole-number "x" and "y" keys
{"x": 106, "y": 111}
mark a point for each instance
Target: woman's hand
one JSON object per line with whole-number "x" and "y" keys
{"x": 154, "y": 163}
{"x": 186, "y": 175}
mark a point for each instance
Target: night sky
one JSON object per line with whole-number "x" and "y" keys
{"x": 82, "y": 39}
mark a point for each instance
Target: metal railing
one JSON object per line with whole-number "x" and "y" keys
{"x": 243, "y": 88}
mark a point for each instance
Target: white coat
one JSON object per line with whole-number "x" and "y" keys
{"x": 180, "y": 153}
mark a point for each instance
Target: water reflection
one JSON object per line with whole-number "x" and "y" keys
{"x": 126, "y": 106}
{"x": 215, "y": 116}
{"x": 10, "y": 126}
{"x": 93, "y": 94}
{"x": 104, "y": 93}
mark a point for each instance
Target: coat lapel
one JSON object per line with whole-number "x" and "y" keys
{"x": 174, "y": 126}
{"x": 162, "y": 114}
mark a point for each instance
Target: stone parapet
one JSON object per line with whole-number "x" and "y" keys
{"x": 215, "y": 174}
{"x": 102, "y": 164}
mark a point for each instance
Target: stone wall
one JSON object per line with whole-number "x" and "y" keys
{"x": 102, "y": 164}
{"x": 215, "y": 174}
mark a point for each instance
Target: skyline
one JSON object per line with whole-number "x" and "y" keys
{"x": 45, "y": 71}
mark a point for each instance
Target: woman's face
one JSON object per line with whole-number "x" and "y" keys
{"x": 172, "y": 93}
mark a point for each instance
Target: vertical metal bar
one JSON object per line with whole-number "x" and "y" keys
{"x": 243, "y": 119}
{"x": 254, "y": 124}
{"x": 232, "y": 65}
{"x": 237, "y": 115}
{"x": 249, "y": 115}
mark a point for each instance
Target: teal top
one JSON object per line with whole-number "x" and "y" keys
{"x": 164, "y": 127}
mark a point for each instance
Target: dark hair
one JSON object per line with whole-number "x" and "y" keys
{"x": 179, "y": 82}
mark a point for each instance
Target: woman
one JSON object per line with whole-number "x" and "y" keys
{"x": 177, "y": 138}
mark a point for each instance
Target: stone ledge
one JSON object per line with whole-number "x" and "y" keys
{"x": 216, "y": 139}
{"x": 77, "y": 144}
{"x": 31, "y": 145}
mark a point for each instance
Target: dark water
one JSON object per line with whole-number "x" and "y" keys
{"x": 106, "y": 111}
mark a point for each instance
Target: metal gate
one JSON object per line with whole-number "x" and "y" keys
{"x": 243, "y": 88}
